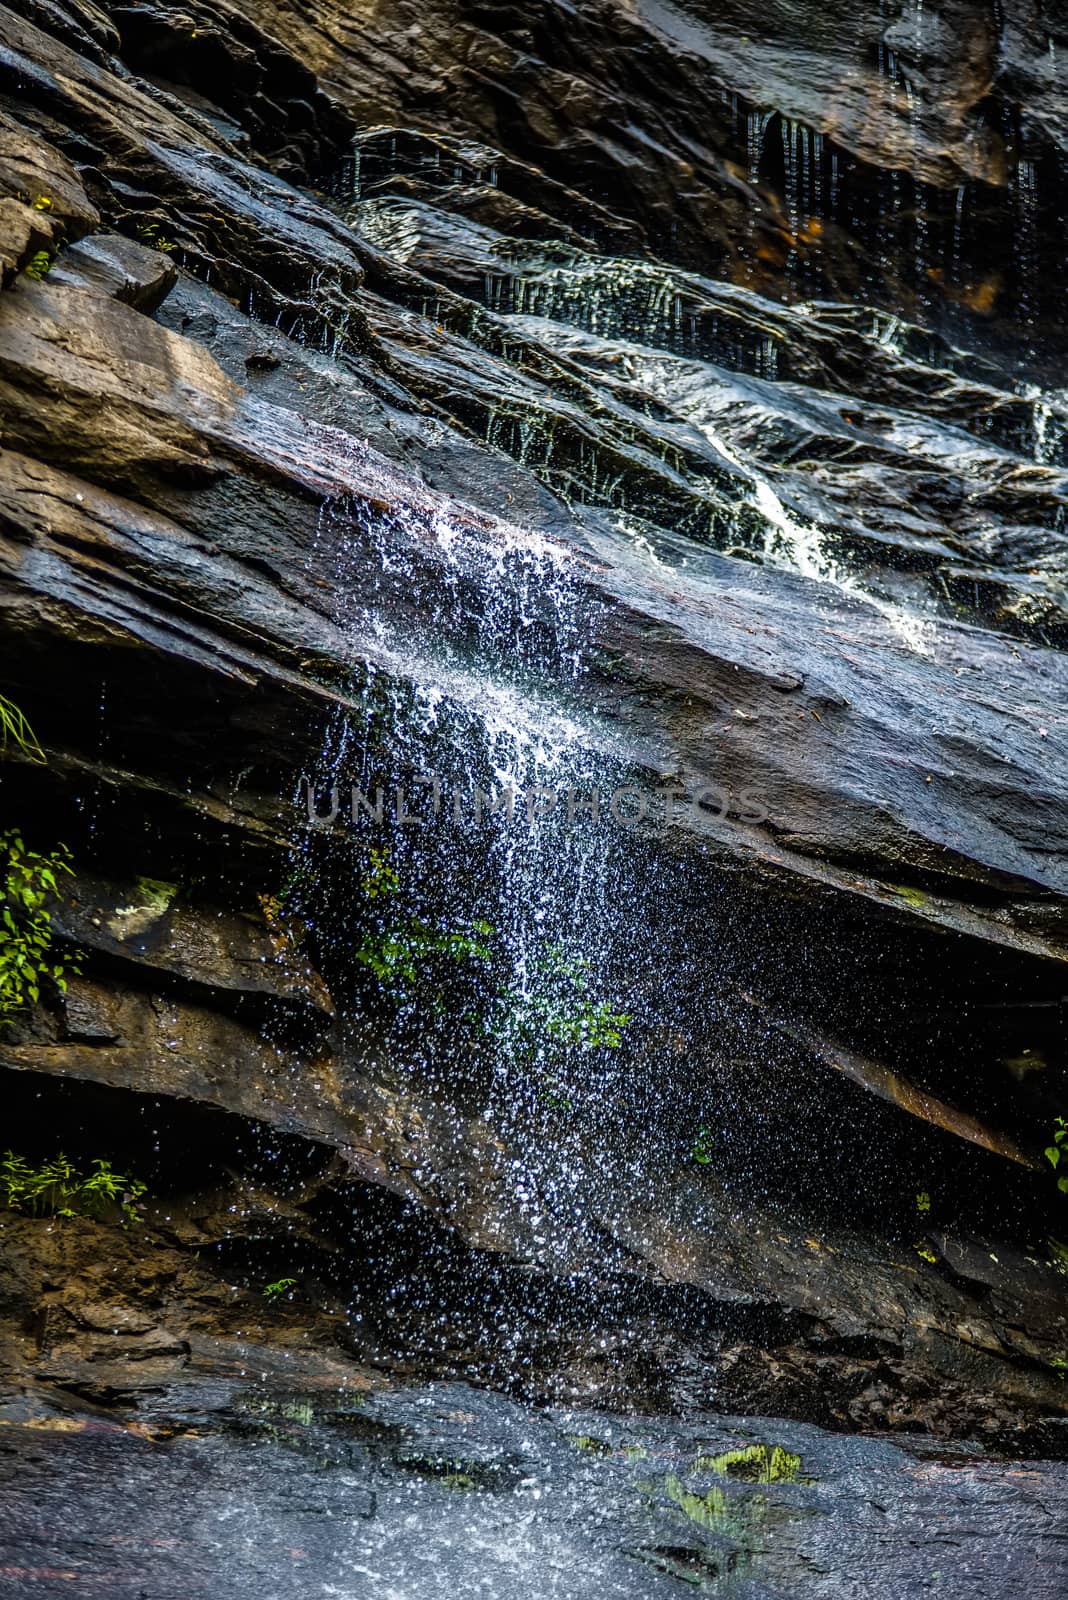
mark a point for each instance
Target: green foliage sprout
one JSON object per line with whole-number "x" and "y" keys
{"x": 281, "y": 1286}
{"x": 755, "y": 1463}
{"x": 559, "y": 1010}
{"x": 380, "y": 877}
{"x": 59, "y": 1189}
{"x": 702, "y": 1147}
{"x": 398, "y": 955}
{"x": 14, "y": 729}
{"x": 26, "y": 957}
{"x": 38, "y": 266}
{"x": 1057, "y": 1149}
{"x": 399, "y": 952}
{"x": 149, "y": 232}
{"x": 552, "y": 1016}
{"x": 1058, "y": 1256}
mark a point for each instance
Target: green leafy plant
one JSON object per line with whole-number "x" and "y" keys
{"x": 281, "y": 909}
{"x": 416, "y": 960}
{"x": 557, "y": 1013}
{"x": 27, "y": 960}
{"x": 1057, "y": 1149}
{"x": 279, "y": 1288}
{"x": 38, "y": 266}
{"x": 923, "y": 1201}
{"x": 590, "y": 1443}
{"x": 702, "y": 1147}
{"x": 552, "y": 1020}
{"x": 149, "y": 232}
{"x": 59, "y": 1189}
{"x": 398, "y": 956}
{"x": 380, "y": 878}
{"x": 14, "y": 729}
{"x": 400, "y": 952}
{"x": 754, "y": 1463}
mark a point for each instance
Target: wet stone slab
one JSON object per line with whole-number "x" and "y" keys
{"x": 412, "y": 1494}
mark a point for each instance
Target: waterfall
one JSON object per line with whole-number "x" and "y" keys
{"x": 465, "y": 716}
{"x": 593, "y": 436}
{"x": 756, "y": 126}
{"x": 817, "y": 173}
{"x": 1049, "y": 410}
{"x": 1025, "y": 189}
{"x": 790, "y": 136}
{"x": 958, "y": 227}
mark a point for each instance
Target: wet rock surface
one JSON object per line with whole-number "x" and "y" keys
{"x": 330, "y": 1490}
{"x": 374, "y": 382}
{"x": 898, "y": 153}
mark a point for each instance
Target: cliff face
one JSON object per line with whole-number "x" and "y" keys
{"x": 439, "y": 391}
{"x": 898, "y": 153}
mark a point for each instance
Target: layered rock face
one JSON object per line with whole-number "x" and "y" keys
{"x": 902, "y": 153}
{"x": 396, "y": 396}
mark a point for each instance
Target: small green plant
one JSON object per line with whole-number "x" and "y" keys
{"x": 1058, "y": 1257}
{"x": 1060, "y": 1366}
{"x": 754, "y": 1463}
{"x": 1057, "y": 1149}
{"x": 281, "y": 909}
{"x": 590, "y": 1443}
{"x": 419, "y": 962}
{"x": 711, "y": 1511}
{"x": 557, "y": 1012}
{"x": 702, "y": 1147}
{"x": 149, "y": 232}
{"x": 403, "y": 951}
{"x": 38, "y": 266}
{"x": 397, "y": 956}
{"x": 26, "y": 957}
{"x": 925, "y": 1253}
{"x": 923, "y": 1201}
{"x": 280, "y": 1287}
{"x": 14, "y": 729}
{"x": 380, "y": 877}
{"x": 59, "y": 1189}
